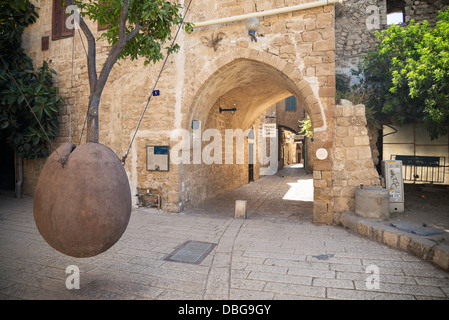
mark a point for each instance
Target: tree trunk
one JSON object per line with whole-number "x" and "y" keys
{"x": 92, "y": 120}
{"x": 96, "y": 84}
{"x": 19, "y": 177}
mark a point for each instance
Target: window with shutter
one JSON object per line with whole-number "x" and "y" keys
{"x": 59, "y": 29}
{"x": 290, "y": 104}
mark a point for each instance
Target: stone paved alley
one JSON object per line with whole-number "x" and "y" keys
{"x": 277, "y": 253}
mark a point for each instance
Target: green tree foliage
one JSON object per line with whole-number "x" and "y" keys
{"x": 20, "y": 84}
{"x": 408, "y": 75}
{"x": 136, "y": 28}
{"x": 306, "y": 127}
{"x": 153, "y": 20}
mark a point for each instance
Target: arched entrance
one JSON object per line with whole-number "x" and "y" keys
{"x": 251, "y": 82}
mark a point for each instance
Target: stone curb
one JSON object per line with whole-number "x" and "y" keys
{"x": 420, "y": 246}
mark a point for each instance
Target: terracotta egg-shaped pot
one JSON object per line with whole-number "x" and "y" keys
{"x": 82, "y": 208}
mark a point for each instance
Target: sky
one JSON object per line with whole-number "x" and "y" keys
{"x": 394, "y": 18}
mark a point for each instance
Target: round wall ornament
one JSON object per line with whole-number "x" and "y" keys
{"x": 321, "y": 154}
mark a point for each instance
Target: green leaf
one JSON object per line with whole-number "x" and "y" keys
{"x": 407, "y": 76}
{"x": 4, "y": 125}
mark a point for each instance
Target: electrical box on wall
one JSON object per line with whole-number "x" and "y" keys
{"x": 394, "y": 183}
{"x": 158, "y": 158}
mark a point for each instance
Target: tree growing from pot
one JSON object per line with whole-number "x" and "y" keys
{"x": 136, "y": 28}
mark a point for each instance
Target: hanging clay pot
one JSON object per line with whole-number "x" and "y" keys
{"x": 82, "y": 208}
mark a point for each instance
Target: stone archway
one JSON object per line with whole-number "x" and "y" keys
{"x": 245, "y": 69}
{"x": 210, "y": 82}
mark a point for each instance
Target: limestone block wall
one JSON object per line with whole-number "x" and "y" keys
{"x": 31, "y": 172}
{"x": 289, "y": 119}
{"x": 123, "y": 100}
{"x": 353, "y": 163}
{"x": 207, "y": 180}
{"x": 294, "y": 55}
{"x": 309, "y": 154}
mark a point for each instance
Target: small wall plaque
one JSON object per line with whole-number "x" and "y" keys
{"x": 269, "y": 130}
{"x": 158, "y": 158}
{"x": 45, "y": 43}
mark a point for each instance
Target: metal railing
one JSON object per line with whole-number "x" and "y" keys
{"x": 422, "y": 168}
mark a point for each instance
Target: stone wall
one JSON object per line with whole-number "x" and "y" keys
{"x": 353, "y": 36}
{"x": 353, "y": 163}
{"x": 289, "y": 119}
{"x": 294, "y": 55}
{"x": 424, "y": 10}
{"x": 215, "y": 176}
{"x": 356, "y": 23}
{"x": 124, "y": 98}
{"x": 207, "y": 180}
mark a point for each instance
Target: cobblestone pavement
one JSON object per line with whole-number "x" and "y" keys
{"x": 286, "y": 196}
{"x": 264, "y": 257}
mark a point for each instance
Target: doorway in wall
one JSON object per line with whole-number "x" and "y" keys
{"x": 7, "y": 174}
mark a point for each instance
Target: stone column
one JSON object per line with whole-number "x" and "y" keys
{"x": 322, "y": 177}
{"x": 352, "y": 161}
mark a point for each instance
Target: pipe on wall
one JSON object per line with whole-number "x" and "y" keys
{"x": 266, "y": 13}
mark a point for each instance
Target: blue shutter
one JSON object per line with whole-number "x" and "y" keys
{"x": 290, "y": 104}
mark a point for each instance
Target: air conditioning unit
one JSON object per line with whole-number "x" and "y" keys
{"x": 394, "y": 183}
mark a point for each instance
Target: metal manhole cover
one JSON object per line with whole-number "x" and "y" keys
{"x": 191, "y": 252}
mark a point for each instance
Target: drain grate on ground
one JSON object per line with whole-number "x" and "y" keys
{"x": 191, "y": 252}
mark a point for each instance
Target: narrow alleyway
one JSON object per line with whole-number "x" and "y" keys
{"x": 287, "y": 195}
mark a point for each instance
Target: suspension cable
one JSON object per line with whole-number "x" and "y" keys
{"x": 71, "y": 90}
{"x": 155, "y": 84}
{"x": 87, "y": 112}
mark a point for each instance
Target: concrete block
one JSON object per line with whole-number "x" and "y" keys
{"x": 373, "y": 203}
{"x": 364, "y": 230}
{"x": 404, "y": 242}
{"x": 240, "y": 209}
{"x": 441, "y": 257}
{"x": 391, "y": 239}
